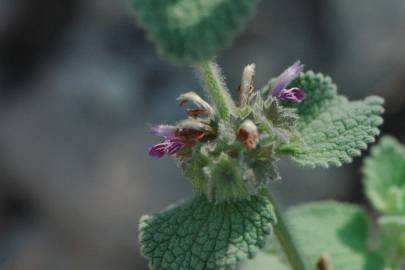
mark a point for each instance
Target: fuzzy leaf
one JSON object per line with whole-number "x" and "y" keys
{"x": 332, "y": 129}
{"x": 392, "y": 239}
{"x": 190, "y": 31}
{"x": 336, "y": 228}
{"x": 384, "y": 176}
{"x": 339, "y": 229}
{"x": 198, "y": 234}
{"x": 265, "y": 261}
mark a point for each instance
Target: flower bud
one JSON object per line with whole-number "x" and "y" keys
{"x": 247, "y": 134}
{"x": 246, "y": 86}
{"x": 202, "y": 105}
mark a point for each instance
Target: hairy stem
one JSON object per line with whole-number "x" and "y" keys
{"x": 216, "y": 89}
{"x": 286, "y": 242}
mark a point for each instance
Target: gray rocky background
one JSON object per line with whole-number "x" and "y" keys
{"x": 79, "y": 85}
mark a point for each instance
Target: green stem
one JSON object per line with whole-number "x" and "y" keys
{"x": 216, "y": 89}
{"x": 286, "y": 242}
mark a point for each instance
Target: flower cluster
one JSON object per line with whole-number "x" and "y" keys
{"x": 229, "y": 160}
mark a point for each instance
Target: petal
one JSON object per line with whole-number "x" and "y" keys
{"x": 174, "y": 145}
{"x": 197, "y": 100}
{"x": 174, "y": 148}
{"x": 166, "y": 131}
{"x": 158, "y": 150}
{"x": 295, "y": 95}
{"x": 286, "y": 78}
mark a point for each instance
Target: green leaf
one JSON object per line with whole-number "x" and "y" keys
{"x": 336, "y": 228}
{"x": 265, "y": 261}
{"x": 332, "y": 129}
{"x": 339, "y": 229}
{"x": 392, "y": 239}
{"x": 384, "y": 176}
{"x": 189, "y": 31}
{"x": 198, "y": 234}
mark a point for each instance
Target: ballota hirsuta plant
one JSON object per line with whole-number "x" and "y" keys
{"x": 229, "y": 149}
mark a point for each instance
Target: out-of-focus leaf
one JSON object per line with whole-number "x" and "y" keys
{"x": 190, "y": 31}
{"x": 339, "y": 229}
{"x": 384, "y": 176}
{"x": 392, "y": 239}
{"x": 265, "y": 261}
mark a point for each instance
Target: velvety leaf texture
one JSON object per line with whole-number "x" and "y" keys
{"x": 384, "y": 176}
{"x": 335, "y": 228}
{"x": 190, "y": 31}
{"x": 332, "y": 129}
{"x": 199, "y": 234}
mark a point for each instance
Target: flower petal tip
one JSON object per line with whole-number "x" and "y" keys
{"x": 166, "y": 131}
{"x": 286, "y": 78}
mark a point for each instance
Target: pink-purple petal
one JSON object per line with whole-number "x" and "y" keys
{"x": 286, "y": 78}
{"x": 167, "y": 147}
{"x": 294, "y": 95}
{"x": 174, "y": 148}
{"x": 158, "y": 150}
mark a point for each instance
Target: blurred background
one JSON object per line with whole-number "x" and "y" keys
{"x": 79, "y": 85}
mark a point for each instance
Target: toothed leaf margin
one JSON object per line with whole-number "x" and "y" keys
{"x": 198, "y": 234}
{"x": 332, "y": 130}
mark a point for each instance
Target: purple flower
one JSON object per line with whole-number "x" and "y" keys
{"x": 286, "y": 78}
{"x": 165, "y": 131}
{"x": 158, "y": 150}
{"x": 294, "y": 95}
{"x": 169, "y": 146}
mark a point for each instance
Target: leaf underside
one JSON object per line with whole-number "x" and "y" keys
{"x": 189, "y": 31}
{"x": 332, "y": 130}
{"x": 339, "y": 229}
{"x": 198, "y": 234}
{"x": 384, "y": 176}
